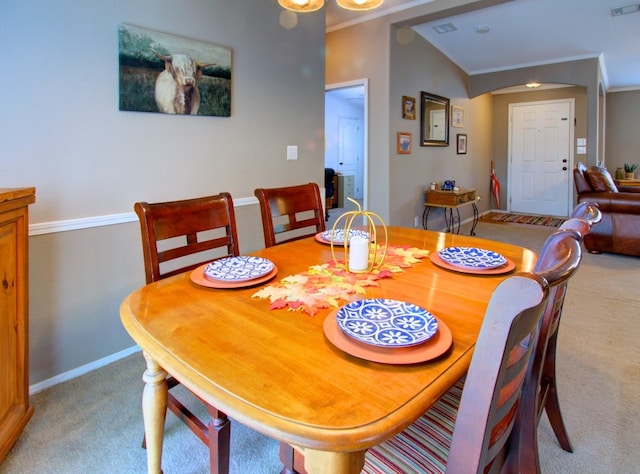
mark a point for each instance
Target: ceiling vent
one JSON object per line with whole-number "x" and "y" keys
{"x": 445, "y": 28}
{"x": 625, "y": 10}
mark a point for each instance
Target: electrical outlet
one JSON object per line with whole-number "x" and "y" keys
{"x": 292, "y": 152}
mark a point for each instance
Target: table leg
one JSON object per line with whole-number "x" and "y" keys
{"x": 475, "y": 219}
{"x": 425, "y": 217}
{"x": 154, "y": 409}
{"x": 325, "y": 462}
{"x": 455, "y": 221}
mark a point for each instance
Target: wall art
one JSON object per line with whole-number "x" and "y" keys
{"x": 163, "y": 73}
{"x": 404, "y": 143}
{"x": 457, "y": 116}
{"x": 408, "y": 107}
{"x": 461, "y": 141}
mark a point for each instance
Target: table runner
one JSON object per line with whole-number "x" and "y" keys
{"x": 330, "y": 284}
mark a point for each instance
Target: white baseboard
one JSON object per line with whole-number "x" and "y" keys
{"x": 77, "y": 372}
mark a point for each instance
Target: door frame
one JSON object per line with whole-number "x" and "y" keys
{"x": 365, "y": 132}
{"x": 572, "y": 115}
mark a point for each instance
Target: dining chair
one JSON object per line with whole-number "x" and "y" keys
{"x": 178, "y": 236}
{"x": 469, "y": 429}
{"x": 329, "y": 190}
{"x": 558, "y": 261}
{"x": 290, "y": 213}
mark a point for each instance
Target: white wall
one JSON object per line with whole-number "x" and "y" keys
{"x": 61, "y": 131}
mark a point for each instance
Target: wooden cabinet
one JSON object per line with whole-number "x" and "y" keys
{"x": 14, "y": 310}
{"x": 346, "y": 188}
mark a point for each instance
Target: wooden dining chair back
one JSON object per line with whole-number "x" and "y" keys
{"x": 558, "y": 261}
{"x": 181, "y": 235}
{"x": 469, "y": 430}
{"x": 178, "y": 236}
{"x": 290, "y": 213}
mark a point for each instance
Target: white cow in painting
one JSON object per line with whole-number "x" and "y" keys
{"x": 177, "y": 86}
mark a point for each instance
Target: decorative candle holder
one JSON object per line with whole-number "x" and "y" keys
{"x": 361, "y": 255}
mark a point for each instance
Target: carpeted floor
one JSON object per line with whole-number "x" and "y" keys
{"x": 523, "y": 219}
{"x": 94, "y": 423}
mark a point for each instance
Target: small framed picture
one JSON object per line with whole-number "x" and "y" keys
{"x": 461, "y": 144}
{"x": 408, "y": 107}
{"x": 404, "y": 143}
{"x": 457, "y": 116}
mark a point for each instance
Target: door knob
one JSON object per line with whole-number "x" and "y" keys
{"x": 564, "y": 168}
{"x": 564, "y": 161}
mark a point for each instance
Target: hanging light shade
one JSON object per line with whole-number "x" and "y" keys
{"x": 359, "y": 5}
{"x": 301, "y": 5}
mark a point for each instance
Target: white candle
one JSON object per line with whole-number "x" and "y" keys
{"x": 358, "y": 253}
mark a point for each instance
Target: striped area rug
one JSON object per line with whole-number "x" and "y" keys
{"x": 524, "y": 219}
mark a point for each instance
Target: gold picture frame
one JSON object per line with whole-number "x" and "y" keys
{"x": 408, "y": 107}
{"x": 404, "y": 143}
{"x": 457, "y": 116}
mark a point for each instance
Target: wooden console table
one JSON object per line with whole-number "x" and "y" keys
{"x": 627, "y": 182}
{"x": 451, "y": 202}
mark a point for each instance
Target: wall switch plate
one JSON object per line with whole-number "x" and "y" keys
{"x": 416, "y": 222}
{"x": 581, "y": 142}
{"x": 581, "y": 150}
{"x": 292, "y": 152}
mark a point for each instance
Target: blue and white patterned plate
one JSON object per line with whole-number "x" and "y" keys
{"x": 338, "y": 235}
{"x": 238, "y": 268}
{"x": 386, "y": 323}
{"x": 472, "y": 257}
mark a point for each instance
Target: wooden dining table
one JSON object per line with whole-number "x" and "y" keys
{"x": 275, "y": 371}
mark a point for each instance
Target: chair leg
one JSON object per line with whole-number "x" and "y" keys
{"x": 552, "y": 407}
{"x": 551, "y": 404}
{"x": 292, "y": 461}
{"x": 219, "y": 434}
{"x": 286, "y": 458}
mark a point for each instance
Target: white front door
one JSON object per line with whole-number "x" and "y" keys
{"x": 540, "y": 157}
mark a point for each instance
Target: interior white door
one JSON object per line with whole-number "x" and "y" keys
{"x": 350, "y": 151}
{"x": 541, "y": 157}
{"x": 438, "y": 127}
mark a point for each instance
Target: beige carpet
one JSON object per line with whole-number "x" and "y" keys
{"x": 93, "y": 424}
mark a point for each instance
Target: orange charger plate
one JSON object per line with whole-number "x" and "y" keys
{"x": 197, "y": 276}
{"x": 506, "y": 268}
{"x": 434, "y": 347}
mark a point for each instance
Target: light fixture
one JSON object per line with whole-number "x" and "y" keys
{"x": 313, "y": 5}
{"x": 482, "y": 29}
{"x": 302, "y": 5}
{"x": 359, "y": 5}
{"x": 533, "y": 85}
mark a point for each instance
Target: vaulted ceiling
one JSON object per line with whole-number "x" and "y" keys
{"x": 520, "y": 33}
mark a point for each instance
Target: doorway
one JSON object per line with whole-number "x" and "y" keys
{"x": 346, "y": 132}
{"x": 541, "y": 157}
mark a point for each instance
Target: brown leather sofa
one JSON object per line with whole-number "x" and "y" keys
{"x": 619, "y": 229}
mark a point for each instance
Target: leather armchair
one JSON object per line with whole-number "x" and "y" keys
{"x": 619, "y": 229}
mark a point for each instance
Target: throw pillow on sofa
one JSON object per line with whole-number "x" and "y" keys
{"x": 600, "y": 179}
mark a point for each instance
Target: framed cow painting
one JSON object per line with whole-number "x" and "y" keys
{"x": 169, "y": 74}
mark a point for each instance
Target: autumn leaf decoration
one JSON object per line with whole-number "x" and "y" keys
{"x": 330, "y": 285}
